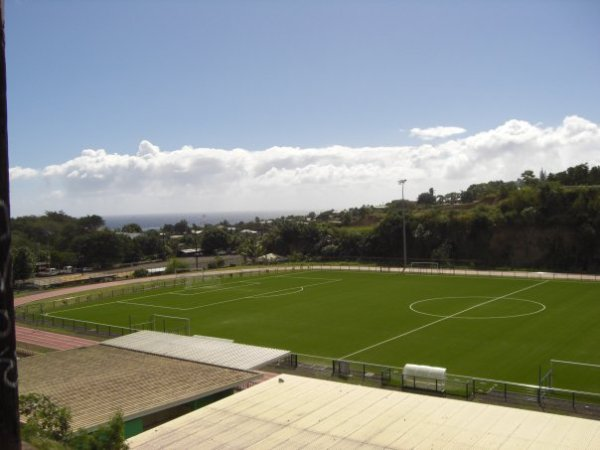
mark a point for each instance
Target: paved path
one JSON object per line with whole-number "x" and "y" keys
{"x": 51, "y": 340}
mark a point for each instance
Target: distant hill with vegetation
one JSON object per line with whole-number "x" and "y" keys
{"x": 545, "y": 222}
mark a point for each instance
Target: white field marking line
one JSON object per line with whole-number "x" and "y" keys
{"x": 88, "y": 306}
{"x": 314, "y": 278}
{"x": 121, "y": 301}
{"x": 441, "y": 320}
{"x": 263, "y": 294}
{"x": 149, "y": 305}
{"x": 220, "y": 282}
{"x": 171, "y": 317}
{"x": 268, "y": 294}
{"x": 206, "y": 287}
{"x": 111, "y": 303}
{"x": 173, "y": 291}
{"x": 208, "y": 291}
{"x": 512, "y": 316}
{"x": 575, "y": 363}
{"x": 495, "y": 277}
{"x": 211, "y": 285}
{"x": 85, "y": 321}
{"x": 130, "y": 302}
{"x": 290, "y": 291}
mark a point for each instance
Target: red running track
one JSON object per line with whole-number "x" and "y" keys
{"x": 51, "y": 340}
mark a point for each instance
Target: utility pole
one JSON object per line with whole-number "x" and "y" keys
{"x": 9, "y": 393}
{"x": 195, "y": 231}
{"x": 401, "y": 183}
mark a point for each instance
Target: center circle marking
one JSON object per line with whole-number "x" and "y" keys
{"x": 413, "y": 307}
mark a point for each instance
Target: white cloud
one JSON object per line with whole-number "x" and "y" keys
{"x": 428, "y": 134}
{"x": 291, "y": 178}
{"x": 21, "y": 173}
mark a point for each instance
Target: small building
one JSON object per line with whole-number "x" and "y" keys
{"x": 202, "y": 349}
{"x": 96, "y": 382}
{"x": 189, "y": 252}
{"x": 270, "y": 258}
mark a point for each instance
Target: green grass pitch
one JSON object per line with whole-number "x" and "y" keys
{"x": 495, "y": 328}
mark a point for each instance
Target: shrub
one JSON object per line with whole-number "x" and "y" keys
{"x": 140, "y": 273}
{"x": 44, "y": 418}
{"x": 174, "y": 265}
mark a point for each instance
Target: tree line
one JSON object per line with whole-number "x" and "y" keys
{"x": 549, "y": 221}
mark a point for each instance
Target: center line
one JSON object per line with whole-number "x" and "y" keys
{"x": 441, "y": 320}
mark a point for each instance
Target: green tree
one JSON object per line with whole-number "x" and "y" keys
{"x": 100, "y": 248}
{"x": 528, "y": 178}
{"x": 181, "y": 227}
{"x": 43, "y": 418}
{"x": 91, "y": 223}
{"x": 427, "y": 198}
{"x": 213, "y": 239}
{"x": 23, "y": 263}
{"x": 48, "y": 426}
{"x": 131, "y": 228}
{"x": 251, "y": 248}
{"x": 151, "y": 244}
{"x": 106, "y": 437}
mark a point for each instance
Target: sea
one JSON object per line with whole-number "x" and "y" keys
{"x": 156, "y": 221}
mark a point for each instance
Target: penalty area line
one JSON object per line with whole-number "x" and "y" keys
{"x": 414, "y": 330}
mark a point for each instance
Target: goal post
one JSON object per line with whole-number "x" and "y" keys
{"x": 545, "y": 378}
{"x": 171, "y": 324}
{"x": 136, "y": 325}
{"x": 575, "y": 375}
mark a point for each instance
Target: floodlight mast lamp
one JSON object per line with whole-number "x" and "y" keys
{"x": 401, "y": 183}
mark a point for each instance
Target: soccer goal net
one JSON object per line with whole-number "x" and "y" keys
{"x": 170, "y": 324}
{"x": 135, "y": 324}
{"x": 575, "y": 375}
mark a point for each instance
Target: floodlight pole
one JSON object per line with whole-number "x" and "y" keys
{"x": 401, "y": 183}
{"x": 195, "y": 231}
{"x": 9, "y": 393}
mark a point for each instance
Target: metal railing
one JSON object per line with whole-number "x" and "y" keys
{"x": 478, "y": 389}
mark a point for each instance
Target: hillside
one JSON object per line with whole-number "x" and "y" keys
{"x": 550, "y": 221}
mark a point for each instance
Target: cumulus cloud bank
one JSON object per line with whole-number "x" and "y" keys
{"x": 428, "y": 134}
{"x": 17, "y": 173}
{"x": 286, "y": 178}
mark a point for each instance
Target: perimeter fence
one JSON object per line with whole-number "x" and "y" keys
{"x": 563, "y": 401}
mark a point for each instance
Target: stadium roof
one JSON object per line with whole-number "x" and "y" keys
{"x": 218, "y": 352}
{"x": 95, "y": 382}
{"x": 294, "y": 412}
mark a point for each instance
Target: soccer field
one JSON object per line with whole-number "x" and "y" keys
{"x": 499, "y": 328}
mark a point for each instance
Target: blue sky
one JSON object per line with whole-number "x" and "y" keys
{"x": 313, "y": 94}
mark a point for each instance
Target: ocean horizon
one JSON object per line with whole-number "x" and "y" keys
{"x": 156, "y": 221}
